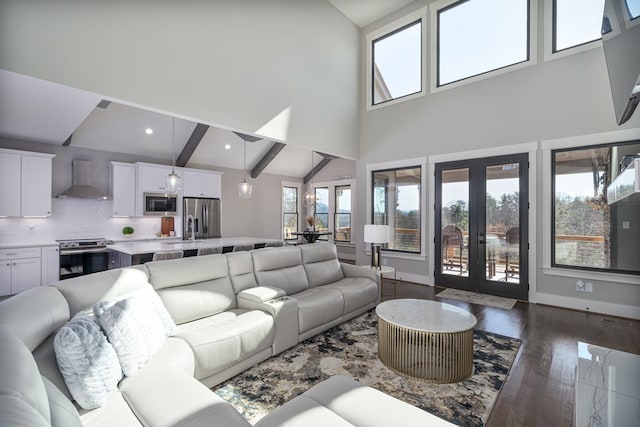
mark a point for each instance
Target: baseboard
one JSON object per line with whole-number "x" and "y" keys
{"x": 611, "y": 309}
{"x": 414, "y": 278}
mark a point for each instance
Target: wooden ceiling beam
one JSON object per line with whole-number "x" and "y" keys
{"x": 267, "y": 158}
{"x": 192, "y": 144}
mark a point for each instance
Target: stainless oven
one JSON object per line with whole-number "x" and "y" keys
{"x": 83, "y": 256}
{"x": 160, "y": 204}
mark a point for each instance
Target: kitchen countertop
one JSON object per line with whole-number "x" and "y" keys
{"x": 136, "y": 248}
{"x": 32, "y": 244}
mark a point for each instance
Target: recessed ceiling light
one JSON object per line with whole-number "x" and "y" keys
{"x": 227, "y": 146}
{"x": 148, "y": 131}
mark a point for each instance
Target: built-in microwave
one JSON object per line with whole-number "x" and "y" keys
{"x": 160, "y": 204}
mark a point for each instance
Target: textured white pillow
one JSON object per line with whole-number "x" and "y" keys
{"x": 136, "y": 325}
{"x": 87, "y": 361}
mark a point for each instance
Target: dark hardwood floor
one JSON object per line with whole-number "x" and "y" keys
{"x": 540, "y": 388}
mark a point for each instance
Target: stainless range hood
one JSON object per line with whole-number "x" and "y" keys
{"x": 83, "y": 183}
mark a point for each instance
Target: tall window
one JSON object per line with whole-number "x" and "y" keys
{"x": 576, "y": 22}
{"x": 321, "y": 211}
{"x": 591, "y": 230}
{"x": 478, "y": 36}
{"x": 342, "y": 222}
{"x": 397, "y": 63}
{"x": 633, "y": 8}
{"x": 396, "y": 201}
{"x": 289, "y": 211}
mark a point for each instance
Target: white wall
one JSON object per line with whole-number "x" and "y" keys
{"x": 284, "y": 69}
{"x": 560, "y": 98}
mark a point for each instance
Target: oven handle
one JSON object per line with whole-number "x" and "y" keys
{"x": 82, "y": 251}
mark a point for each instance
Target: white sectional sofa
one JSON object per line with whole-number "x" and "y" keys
{"x": 227, "y": 313}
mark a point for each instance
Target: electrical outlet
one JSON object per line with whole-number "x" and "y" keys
{"x": 588, "y": 287}
{"x": 580, "y": 286}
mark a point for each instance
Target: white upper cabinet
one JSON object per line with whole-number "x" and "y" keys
{"x": 123, "y": 189}
{"x": 199, "y": 183}
{"x": 25, "y": 183}
{"x": 152, "y": 178}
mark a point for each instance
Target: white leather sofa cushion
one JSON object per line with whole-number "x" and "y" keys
{"x": 321, "y": 263}
{"x": 63, "y": 413}
{"x": 115, "y": 412}
{"x": 241, "y": 271}
{"x": 318, "y": 306}
{"x": 169, "y": 399}
{"x": 220, "y": 341}
{"x": 354, "y": 404}
{"x": 20, "y": 376}
{"x": 15, "y": 412}
{"x": 35, "y": 314}
{"x": 281, "y": 268}
{"x": 190, "y": 294}
{"x": 83, "y": 292}
{"x": 184, "y": 271}
{"x": 358, "y": 292}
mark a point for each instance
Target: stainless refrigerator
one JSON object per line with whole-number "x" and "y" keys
{"x": 200, "y": 217}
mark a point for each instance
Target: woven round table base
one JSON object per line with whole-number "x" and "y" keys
{"x": 436, "y": 357}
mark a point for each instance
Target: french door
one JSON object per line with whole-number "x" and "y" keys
{"x": 481, "y": 225}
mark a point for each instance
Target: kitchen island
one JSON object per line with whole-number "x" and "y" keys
{"x": 126, "y": 254}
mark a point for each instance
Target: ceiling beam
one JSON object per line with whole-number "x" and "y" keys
{"x": 317, "y": 168}
{"x": 68, "y": 141}
{"x": 267, "y": 158}
{"x": 192, "y": 144}
{"x": 248, "y": 138}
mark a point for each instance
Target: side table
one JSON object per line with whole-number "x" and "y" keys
{"x": 385, "y": 271}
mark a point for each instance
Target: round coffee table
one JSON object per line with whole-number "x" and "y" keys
{"x": 426, "y": 339}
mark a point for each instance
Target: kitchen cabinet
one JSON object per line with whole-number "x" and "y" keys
{"x": 152, "y": 178}
{"x": 199, "y": 183}
{"x": 123, "y": 189}
{"x": 50, "y": 264}
{"x": 20, "y": 269}
{"x": 25, "y": 183}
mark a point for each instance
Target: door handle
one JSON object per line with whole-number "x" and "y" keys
{"x": 481, "y": 239}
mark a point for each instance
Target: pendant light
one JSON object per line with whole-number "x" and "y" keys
{"x": 309, "y": 198}
{"x": 244, "y": 188}
{"x": 173, "y": 180}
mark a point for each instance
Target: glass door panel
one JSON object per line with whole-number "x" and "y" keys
{"x": 454, "y": 222}
{"x": 481, "y": 225}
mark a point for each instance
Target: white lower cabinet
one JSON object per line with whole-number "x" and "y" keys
{"x": 20, "y": 269}
{"x": 50, "y": 264}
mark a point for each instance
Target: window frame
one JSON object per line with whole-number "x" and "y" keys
{"x": 554, "y": 263}
{"x": 336, "y": 213}
{"x": 549, "y": 37}
{"x": 298, "y": 188}
{"x": 420, "y": 162}
{"x": 585, "y": 141}
{"x": 317, "y": 214}
{"x": 331, "y": 185}
{"x": 434, "y": 10}
{"x": 386, "y": 31}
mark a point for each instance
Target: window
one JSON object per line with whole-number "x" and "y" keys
{"x": 589, "y": 230}
{"x": 396, "y": 201}
{"x": 479, "y": 36}
{"x": 289, "y": 211}
{"x": 321, "y": 211}
{"x": 342, "y": 221}
{"x": 397, "y": 63}
{"x": 633, "y": 8}
{"x": 576, "y": 22}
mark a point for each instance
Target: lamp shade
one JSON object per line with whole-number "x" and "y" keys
{"x": 376, "y": 233}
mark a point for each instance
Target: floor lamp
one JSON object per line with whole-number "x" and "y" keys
{"x": 376, "y": 235}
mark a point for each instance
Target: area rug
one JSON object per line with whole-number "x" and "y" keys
{"x": 474, "y": 298}
{"x": 351, "y": 350}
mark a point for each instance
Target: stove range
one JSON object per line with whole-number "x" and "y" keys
{"x": 83, "y": 256}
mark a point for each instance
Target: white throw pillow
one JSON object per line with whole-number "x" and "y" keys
{"x": 137, "y": 324}
{"x": 87, "y": 361}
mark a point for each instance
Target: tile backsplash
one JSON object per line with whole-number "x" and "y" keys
{"x": 77, "y": 219}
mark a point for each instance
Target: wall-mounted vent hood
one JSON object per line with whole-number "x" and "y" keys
{"x": 626, "y": 186}
{"x": 83, "y": 183}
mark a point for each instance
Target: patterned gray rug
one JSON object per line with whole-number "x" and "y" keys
{"x": 351, "y": 349}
